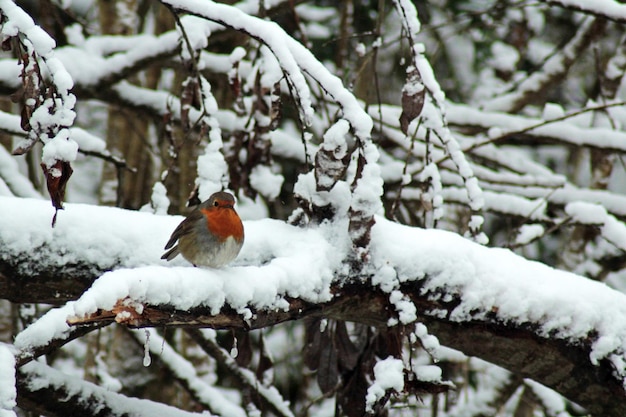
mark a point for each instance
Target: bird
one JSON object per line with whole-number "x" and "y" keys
{"x": 211, "y": 235}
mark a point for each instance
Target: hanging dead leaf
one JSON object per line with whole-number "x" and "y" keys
{"x": 329, "y": 169}
{"x": 347, "y": 352}
{"x": 413, "y": 96}
{"x": 6, "y": 44}
{"x": 351, "y": 395}
{"x": 25, "y": 118}
{"x": 312, "y": 345}
{"x": 57, "y": 177}
{"x": 388, "y": 342}
{"x": 327, "y": 370}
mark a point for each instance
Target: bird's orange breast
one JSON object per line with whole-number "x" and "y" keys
{"x": 223, "y": 222}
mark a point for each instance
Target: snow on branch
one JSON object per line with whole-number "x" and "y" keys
{"x": 52, "y": 392}
{"x": 267, "y": 32}
{"x": 610, "y": 9}
{"x": 562, "y": 129}
{"x": 554, "y": 68}
{"x": 468, "y": 295}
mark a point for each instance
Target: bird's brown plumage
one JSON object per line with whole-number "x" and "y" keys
{"x": 211, "y": 235}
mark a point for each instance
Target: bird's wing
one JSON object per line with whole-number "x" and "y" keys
{"x": 185, "y": 227}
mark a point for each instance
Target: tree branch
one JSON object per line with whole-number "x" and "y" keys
{"x": 608, "y": 9}
{"x": 556, "y": 363}
{"x": 49, "y": 392}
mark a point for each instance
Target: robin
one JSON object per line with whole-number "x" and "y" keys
{"x": 211, "y": 235}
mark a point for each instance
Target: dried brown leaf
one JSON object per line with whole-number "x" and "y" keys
{"x": 6, "y": 44}
{"x": 328, "y": 169}
{"x": 25, "y": 120}
{"x": 57, "y": 177}
{"x": 388, "y": 342}
{"x": 413, "y": 96}
{"x": 312, "y": 345}
{"x": 347, "y": 352}
{"x": 327, "y": 370}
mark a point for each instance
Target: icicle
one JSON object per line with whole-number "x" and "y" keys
{"x": 234, "y": 352}
{"x": 147, "y": 360}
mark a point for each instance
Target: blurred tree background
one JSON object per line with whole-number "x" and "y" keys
{"x": 533, "y": 99}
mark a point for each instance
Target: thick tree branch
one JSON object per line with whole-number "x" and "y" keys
{"x": 556, "y": 363}
{"x": 448, "y": 273}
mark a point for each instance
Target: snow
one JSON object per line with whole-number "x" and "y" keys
{"x": 269, "y": 32}
{"x": 388, "y": 375}
{"x": 52, "y": 327}
{"x": 59, "y": 148}
{"x": 17, "y": 183}
{"x": 266, "y": 182}
{"x": 504, "y": 57}
{"x": 609, "y": 8}
{"x": 271, "y": 264}
{"x": 407, "y": 312}
{"x": 54, "y": 115}
{"x": 594, "y": 214}
{"x": 429, "y": 342}
{"x": 429, "y": 373}
{"x": 158, "y": 200}
{"x": 487, "y": 280}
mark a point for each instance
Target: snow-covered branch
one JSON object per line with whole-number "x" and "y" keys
{"x": 609, "y": 9}
{"x": 52, "y": 392}
{"x": 554, "y": 68}
{"x": 468, "y": 295}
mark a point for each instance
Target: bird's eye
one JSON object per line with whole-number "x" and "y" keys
{"x": 216, "y": 203}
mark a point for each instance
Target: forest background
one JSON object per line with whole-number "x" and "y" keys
{"x": 432, "y": 193}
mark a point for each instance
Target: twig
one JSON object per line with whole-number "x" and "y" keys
{"x": 533, "y": 127}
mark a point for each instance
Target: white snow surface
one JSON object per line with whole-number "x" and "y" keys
{"x": 8, "y": 393}
{"x": 388, "y": 374}
{"x": 279, "y": 260}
